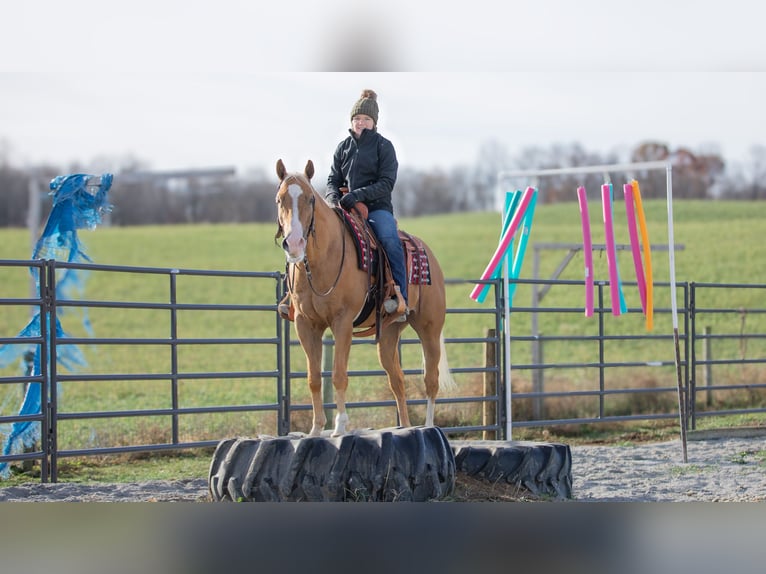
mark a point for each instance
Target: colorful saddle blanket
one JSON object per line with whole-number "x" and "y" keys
{"x": 416, "y": 257}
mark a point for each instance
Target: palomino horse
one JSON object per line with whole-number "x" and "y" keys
{"x": 328, "y": 290}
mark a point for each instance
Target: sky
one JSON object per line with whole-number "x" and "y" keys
{"x": 188, "y": 85}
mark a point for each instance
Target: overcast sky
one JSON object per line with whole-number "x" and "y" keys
{"x": 197, "y": 84}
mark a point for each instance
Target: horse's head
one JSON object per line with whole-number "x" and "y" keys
{"x": 295, "y": 210}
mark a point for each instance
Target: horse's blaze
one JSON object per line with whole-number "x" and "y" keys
{"x": 295, "y": 242}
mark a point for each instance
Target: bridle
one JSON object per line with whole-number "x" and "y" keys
{"x": 310, "y": 230}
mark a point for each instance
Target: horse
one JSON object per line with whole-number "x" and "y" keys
{"x": 328, "y": 289}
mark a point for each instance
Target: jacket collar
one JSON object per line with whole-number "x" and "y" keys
{"x": 364, "y": 132}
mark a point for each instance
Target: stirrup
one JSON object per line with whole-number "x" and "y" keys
{"x": 403, "y": 317}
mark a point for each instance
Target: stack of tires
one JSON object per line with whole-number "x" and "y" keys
{"x": 396, "y": 464}
{"x": 544, "y": 469}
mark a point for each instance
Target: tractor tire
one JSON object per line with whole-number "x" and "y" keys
{"x": 544, "y": 469}
{"x": 396, "y": 464}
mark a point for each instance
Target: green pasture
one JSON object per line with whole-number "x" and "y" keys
{"x": 721, "y": 243}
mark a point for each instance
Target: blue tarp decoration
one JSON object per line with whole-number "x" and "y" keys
{"x": 79, "y": 202}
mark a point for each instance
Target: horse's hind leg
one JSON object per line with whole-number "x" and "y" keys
{"x": 388, "y": 354}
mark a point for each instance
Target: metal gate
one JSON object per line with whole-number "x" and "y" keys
{"x": 164, "y": 357}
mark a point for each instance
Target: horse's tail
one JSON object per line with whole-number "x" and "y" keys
{"x": 446, "y": 381}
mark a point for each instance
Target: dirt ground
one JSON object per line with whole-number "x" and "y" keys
{"x": 717, "y": 469}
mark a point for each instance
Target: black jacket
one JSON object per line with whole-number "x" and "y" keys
{"x": 368, "y": 167}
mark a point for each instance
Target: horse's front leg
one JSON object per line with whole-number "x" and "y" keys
{"x": 343, "y": 336}
{"x": 311, "y": 341}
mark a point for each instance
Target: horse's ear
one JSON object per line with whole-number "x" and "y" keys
{"x": 309, "y": 171}
{"x": 281, "y": 171}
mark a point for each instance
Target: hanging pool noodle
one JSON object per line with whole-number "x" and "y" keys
{"x": 511, "y": 203}
{"x": 623, "y": 305}
{"x": 587, "y": 248}
{"x": 634, "y": 243}
{"x": 504, "y": 242}
{"x": 611, "y": 250}
{"x": 647, "y": 256}
{"x": 518, "y": 259}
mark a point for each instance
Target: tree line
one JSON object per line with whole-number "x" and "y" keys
{"x": 250, "y": 197}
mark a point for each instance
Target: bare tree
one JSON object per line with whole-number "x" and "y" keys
{"x": 493, "y": 158}
{"x": 694, "y": 175}
{"x": 14, "y": 196}
{"x": 701, "y": 174}
{"x": 756, "y": 184}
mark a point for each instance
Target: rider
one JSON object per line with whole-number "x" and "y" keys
{"x": 365, "y": 163}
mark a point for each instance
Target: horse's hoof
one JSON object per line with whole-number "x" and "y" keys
{"x": 341, "y": 421}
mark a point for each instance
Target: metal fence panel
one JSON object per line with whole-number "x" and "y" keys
{"x": 148, "y": 377}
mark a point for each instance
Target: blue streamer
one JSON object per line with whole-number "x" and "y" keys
{"x": 79, "y": 202}
{"x": 25, "y": 434}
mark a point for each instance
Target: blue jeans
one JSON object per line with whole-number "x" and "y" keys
{"x": 384, "y": 226}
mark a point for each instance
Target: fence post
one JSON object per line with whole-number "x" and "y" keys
{"x": 538, "y": 383}
{"x": 708, "y": 356}
{"x": 327, "y": 391}
{"x": 489, "y": 408}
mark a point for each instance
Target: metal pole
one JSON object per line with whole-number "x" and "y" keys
{"x": 174, "y": 355}
{"x": 621, "y": 167}
{"x": 537, "y": 377}
{"x": 489, "y": 408}
{"x": 674, "y": 308}
{"x": 708, "y": 356}
{"x": 507, "y": 336}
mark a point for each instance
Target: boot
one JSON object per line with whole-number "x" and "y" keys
{"x": 286, "y": 309}
{"x": 396, "y": 305}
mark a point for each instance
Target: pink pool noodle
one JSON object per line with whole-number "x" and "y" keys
{"x": 634, "y": 243}
{"x": 587, "y": 248}
{"x": 504, "y": 242}
{"x": 611, "y": 250}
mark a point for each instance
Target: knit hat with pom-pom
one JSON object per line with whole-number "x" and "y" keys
{"x": 367, "y": 105}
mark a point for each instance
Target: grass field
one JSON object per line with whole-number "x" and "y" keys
{"x": 721, "y": 243}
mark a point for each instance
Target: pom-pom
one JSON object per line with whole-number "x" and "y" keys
{"x": 369, "y": 94}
